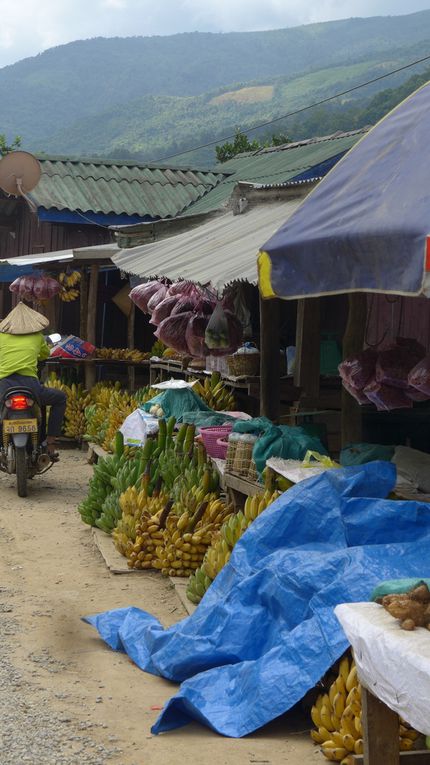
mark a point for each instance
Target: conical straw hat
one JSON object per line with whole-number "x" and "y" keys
{"x": 22, "y": 320}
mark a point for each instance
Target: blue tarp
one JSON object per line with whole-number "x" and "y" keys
{"x": 265, "y": 632}
{"x": 366, "y": 224}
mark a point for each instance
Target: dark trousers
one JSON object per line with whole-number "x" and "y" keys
{"x": 56, "y": 399}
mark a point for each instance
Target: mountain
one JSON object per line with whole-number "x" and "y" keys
{"x": 153, "y": 96}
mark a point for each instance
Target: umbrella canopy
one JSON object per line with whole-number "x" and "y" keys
{"x": 365, "y": 227}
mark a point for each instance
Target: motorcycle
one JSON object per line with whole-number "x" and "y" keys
{"x": 22, "y": 422}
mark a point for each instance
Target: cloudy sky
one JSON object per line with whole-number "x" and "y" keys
{"x": 28, "y": 27}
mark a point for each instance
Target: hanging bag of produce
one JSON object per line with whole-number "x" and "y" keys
{"x": 141, "y": 294}
{"x": 217, "y": 333}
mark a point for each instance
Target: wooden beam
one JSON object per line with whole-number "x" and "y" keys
{"x": 270, "y": 363}
{"x": 353, "y": 341}
{"x": 131, "y": 372}
{"x": 308, "y": 341}
{"x": 419, "y": 757}
{"x": 83, "y": 305}
{"x": 90, "y": 369}
{"x": 380, "y": 731}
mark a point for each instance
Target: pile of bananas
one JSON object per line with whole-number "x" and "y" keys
{"x": 215, "y": 394}
{"x": 218, "y": 553}
{"x": 100, "y": 485}
{"x": 337, "y": 717}
{"x": 68, "y": 282}
{"x": 121, "y": 405}
{"x": 187, "y": 536}
{"x": 121, "y": 354}
{"x": 140, "y": 529}
{"x": 128, "y": 474}
{"x": 77, "y": 401}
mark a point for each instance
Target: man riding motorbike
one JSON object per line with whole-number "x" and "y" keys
{"x": 22, "y": 345}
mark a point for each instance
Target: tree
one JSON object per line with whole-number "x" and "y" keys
{"x": 241, "y": 144}
{"x": 6, "y": 148}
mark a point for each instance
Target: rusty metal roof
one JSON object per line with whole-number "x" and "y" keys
{"x": 100, "y": 186}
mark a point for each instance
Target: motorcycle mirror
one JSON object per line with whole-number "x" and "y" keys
{"x": 55, "y": 338}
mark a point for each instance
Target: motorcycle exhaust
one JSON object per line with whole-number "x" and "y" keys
{"x": 43, "y": 461}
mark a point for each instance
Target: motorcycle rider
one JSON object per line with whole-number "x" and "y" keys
{"x": 22, "y": 345}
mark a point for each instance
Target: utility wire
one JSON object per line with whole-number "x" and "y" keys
{"x": 292, "y": 114}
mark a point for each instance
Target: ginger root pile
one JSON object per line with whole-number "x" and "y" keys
{"x": 412, "y": 608}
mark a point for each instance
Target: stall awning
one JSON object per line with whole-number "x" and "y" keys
{"x": 219, "y": 251}
{"x": 365, "y": 227}
{"x": 97, "y": 252}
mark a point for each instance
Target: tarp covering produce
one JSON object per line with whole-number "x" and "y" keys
{"x": 265, "y": 631}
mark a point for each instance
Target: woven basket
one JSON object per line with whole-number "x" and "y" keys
{"x": 210, "y": 438}
{"x": 244, "y": 364}
{"x": 222, "y": 443}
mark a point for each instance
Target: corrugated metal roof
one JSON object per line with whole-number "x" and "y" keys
{"x": 113, "y": 187}
{"x": 276, "y": 165}
{"x": 219, "y": 251}
{"x": 97, "y": 252}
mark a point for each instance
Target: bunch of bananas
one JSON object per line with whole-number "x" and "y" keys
{"x": 100, "y": 485}
{"x": 187, "y": 536}
{"x": 121, "y": 354}
{"x": 120, "y": 406}
{"x": 68, "y": 281}
{"x": 218, "y": 554}
{"x": 215, "y": 394}
{"x": 149, "y": 522}
{"x": 337, "y": 717}
{"x": 128, "y": 474}
{"x": 77, "y": 401}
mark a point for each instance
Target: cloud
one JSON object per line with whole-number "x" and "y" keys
{"x": 28, "y": 30}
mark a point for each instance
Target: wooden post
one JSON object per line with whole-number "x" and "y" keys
{"x": 308, "y": 340}
{"x": 353, "y": 341}
{"x": 380, "y": 731}
{"x": 270, "y": 390}
{"x": 83, "y": 305}
{"x": 130, "y": 344}
{"x": 90, "y": 369}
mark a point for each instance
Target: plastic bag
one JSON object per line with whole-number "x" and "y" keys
{"x": 359, "y": 396}
{"x": 312, "y": 457}
{"x": 195, "y": 335}
{"x": 394, "y": 364}
{"x": 357, "y": 370}
{"x": 172, "y": 331}
{"x": 157, "y": 298}
{"x": 137, "y": 427}
{"x": 386, "y": 397}
{"x": 419, "y": 376}
{"x": 141, "y": 294}
{"x": 217, "y": 332}
{"x": 178, "y": 288}
{"x": 45, "y": 288}
{"x": 163, "y": 310}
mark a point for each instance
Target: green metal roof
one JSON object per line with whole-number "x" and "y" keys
{"x": 275, "y": 165}
{"x": 127, "y": 188}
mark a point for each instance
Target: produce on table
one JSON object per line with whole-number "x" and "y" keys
{"x": 215, "y": 393}
{"x": 121, "y": 354}
{"x": 412, "y": 608}
{"x": 220, "y": 549}
{"x": 337, "y": 718}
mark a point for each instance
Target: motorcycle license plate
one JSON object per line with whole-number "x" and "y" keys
{"x": 20, "y": 426}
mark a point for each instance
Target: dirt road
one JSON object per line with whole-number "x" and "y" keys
{"x": 65, "y": 698}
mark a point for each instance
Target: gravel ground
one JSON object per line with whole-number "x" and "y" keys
{"x": 65, "y": 698}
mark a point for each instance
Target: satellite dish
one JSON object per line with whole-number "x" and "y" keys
{"x": 19, "y": 173}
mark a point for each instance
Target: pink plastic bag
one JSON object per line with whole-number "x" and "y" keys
{"x": 157, "y": 298}
{"x": 195, "y": 335}
{"x": 386, "y": 397}
{"x": 419, "y": 376}
{"x": 395, "y": 363}
{"x": 141, "y": 294}
{"x": 172, "y": 332}
{"x": 359, "y": 396}
{"x": 163, "y": 310}
{"x": 357, "y": 370}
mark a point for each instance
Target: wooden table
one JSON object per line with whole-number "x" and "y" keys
{"x": 394, "y": 671}
{"x": 93, "y": 363}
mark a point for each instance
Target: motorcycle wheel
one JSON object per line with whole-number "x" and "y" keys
{"x": 21, "y": 470}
